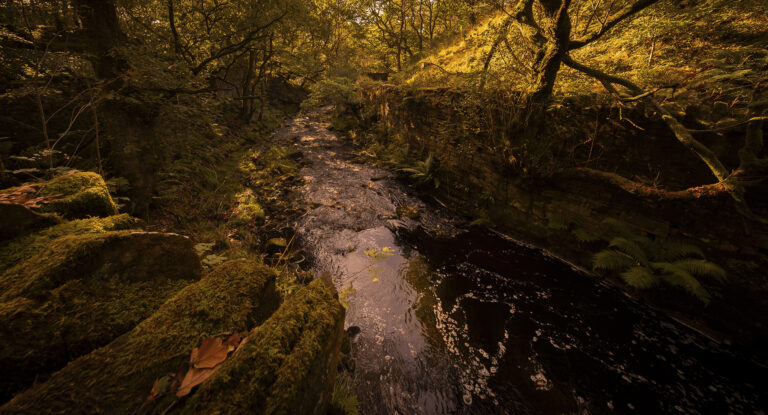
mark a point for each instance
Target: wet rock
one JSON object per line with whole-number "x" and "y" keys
{"x": 353, "y": 331}
{"x": 17, "y": 219}
{"x": 287, "y": 366}
{"x": 117, "y": 378}
{"x": 68, "y": 294}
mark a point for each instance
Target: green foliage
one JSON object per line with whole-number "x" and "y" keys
{"x": 344, "y": 295}
{"x": 645, "y": 263}
{"x": 337, "y": 91}
{"x": 344, "y": 400}
{"x": 425, "y": 172}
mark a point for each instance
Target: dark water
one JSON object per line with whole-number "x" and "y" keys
{"x": 467, "y": 321}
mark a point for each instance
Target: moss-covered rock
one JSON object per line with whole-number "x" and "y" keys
{"x": 24, "y": 247}
{"x": 83, "y": 194}
{"x": 70, "y": 294}
{"x": 116, "y": 379}
{"x": 288, "y": 364}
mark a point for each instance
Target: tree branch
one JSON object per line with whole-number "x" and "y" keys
{"x": 612, "y": 21}
{"x": 642, "y": 190}
{"x": 681, "y": 133}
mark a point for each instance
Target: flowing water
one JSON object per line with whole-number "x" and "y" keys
{"x": 449, "y": 320}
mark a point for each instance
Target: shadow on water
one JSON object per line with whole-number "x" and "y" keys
{"x": 466, "y": 321}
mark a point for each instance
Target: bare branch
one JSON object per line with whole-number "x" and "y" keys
{"x": 612, "y": 21}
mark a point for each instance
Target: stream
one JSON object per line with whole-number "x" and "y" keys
{"x": 450, "y": 320}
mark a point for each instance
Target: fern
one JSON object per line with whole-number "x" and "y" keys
{"x": 424, "y": 172}
{"x": 677, "y": 276}
{"x": 612, "y": 260}
{"x": 702, "y": 268}
{"x": 674, "y": 250}
{"x": 643, "y": 263}
{"x": 640, "y": 278}
{"x": 630, "y": 248}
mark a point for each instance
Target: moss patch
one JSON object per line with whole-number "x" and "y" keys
{"x": 116, "y": 378}
{"x": 73, "y": 293}
{"x": 83, "y": 194}
{"x": 407, "y": 211}
{"x": 25, "y": 247}
{"x": 247, "y": 210}
{"x": 288, "y": 364}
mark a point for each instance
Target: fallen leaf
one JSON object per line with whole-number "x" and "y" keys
{"x": 232, "y": 342}
{"x": 193, "y": 378}
{"x": 210, "y": 353}
{"x": 206, "y": 359}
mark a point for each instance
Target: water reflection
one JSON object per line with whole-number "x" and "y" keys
{"x": 396, "y": 363}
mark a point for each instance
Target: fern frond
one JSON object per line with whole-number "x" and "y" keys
{"x": 649, "y": 246}
{"x": 630, "y": 248}
{"x": 612, "y": 260}
{"x": 640, "y": 277}
{"x": 677, "y": 276}
{"x": 674, "y": 250}
{"x": 702, "y": 268}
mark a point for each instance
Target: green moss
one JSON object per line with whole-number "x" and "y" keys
{"x": 70, "y": 294}
{"x": 83, "y": 194}
{"x": 25, "y": 247}
{"x": 247, "y": 210}
{"x": 344, "y": 400}
{"x": 116, "y": 378}
{"x": 288, "y": 364}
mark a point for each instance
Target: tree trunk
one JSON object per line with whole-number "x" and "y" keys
{"x": 99, "y": 18}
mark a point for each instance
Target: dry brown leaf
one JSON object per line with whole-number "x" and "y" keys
{"x": 193, "y": 378}
{"x": 232, "y": 342}
{"x": 206, "y": 359}
{"x": 210, "y": 353}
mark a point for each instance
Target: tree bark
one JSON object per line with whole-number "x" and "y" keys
{"x": 102, "y": 27}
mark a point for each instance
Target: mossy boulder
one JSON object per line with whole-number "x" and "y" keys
{"x": 116, "y": 378}
{"x": 288, "y": 364}
{"x": 67, "y": 295}
{"x": 82, "y": 194}
{"x": 25, "y": 247}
